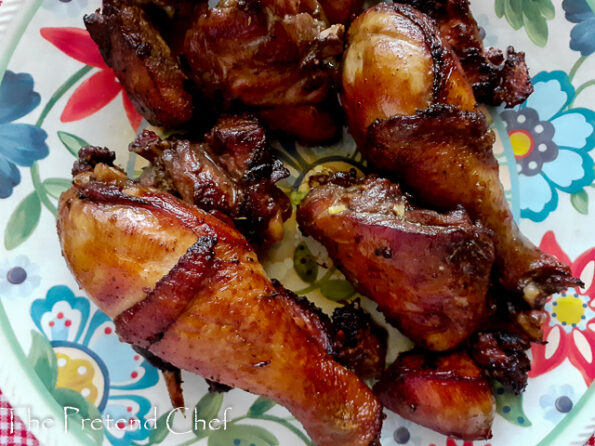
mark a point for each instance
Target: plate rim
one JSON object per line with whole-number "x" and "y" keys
{"x": 573, "y": 426}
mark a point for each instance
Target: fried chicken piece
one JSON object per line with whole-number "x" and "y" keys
{"x": 232, "y": 171}
{"x": 396, "y": 64}
{"x": 496, "y": 79}
{"x": 442, "y": 154}
{"x": 445, "y": 156}
{"x": 188, "y": 288}
{"x": 447, "y": 393}
{"x": 143, "y": 62}
{"x": 359, "y": 343}
{"x": 428, "y": 272}
{"x": 273, "y": 55}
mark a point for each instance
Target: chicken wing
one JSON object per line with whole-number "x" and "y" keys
{"x": 496, "y": 79}
{"x": 428, "y": 272}
{"x": 139, "y": 252}
{"x": 143, "y": 62}
{"x": 231, "y": 171}
{"x": 443, "y": 154}
{"x": 447, "y": 393}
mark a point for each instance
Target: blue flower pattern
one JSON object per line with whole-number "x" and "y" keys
{"x": 582, "y": 36}
{"x": 557, "y": 402}
{"x": 20, "y": 144}
{"x": 551, "y": 143}
{"x": 75, "y": 327}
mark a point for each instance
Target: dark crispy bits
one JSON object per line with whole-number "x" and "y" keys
{"x": 495, "y": 78}
{"x": 502, "y": 355}
{"x": 359, "y": 343}
{"x": 231, "y": 172}
{"x": 90, "y": 156}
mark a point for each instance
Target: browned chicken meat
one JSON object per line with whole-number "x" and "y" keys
{"x": 188, "y": 288}
{"x": 448, "y": 393}
{"x": 277, "y": 57}
{"x": 428, "y": 272}
{"x": 143, "y": 62}
{"x": 396, "y": 65}
{"x": 231, "y": 171}
{"x": 341, "y": 11}
{"x": 496, "y": 79}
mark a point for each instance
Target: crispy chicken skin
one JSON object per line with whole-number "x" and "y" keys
{"x": 231, "y": 171}
{"x": 269, "y": 54}
{"x": 428, "y": 272}
{"x": 140, "y": 252}
{"x": 415, "y": 120}
{"x": 447, "y": 393}
{"x": 143, "y": 62}
{"x": 496, "y": 79}
{"x": 396, "y": 64}
{"x": 358, "y": 342}
{"x": 181, "y": 61}
{"x": 445, "y": 156}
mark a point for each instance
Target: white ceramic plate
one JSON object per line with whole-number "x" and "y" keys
{"x": 57, "y": 349}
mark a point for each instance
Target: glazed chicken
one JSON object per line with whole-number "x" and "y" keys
{"x": 188, "y": 288}
{"x": 413, "y": 115}
{"x": 278, "y": 58}
{"x": 496, "y": 79}
{"x": 448, "y": 393}
{"x": 231, "y": 172}
{"x": 428, "y": 272}
{"x": 143, "y": 62}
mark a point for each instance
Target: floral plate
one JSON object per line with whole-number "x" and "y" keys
{"x": 59, "y": 351}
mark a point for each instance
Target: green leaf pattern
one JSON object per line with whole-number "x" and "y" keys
{"x": 43, "y": 360}
{"x": 530, "y": 14}
{"x": 510, "y": 406}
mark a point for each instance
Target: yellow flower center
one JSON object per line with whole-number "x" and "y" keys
{"x": 77, "y": 374}
{"x": 569, "y": 309}
{"x": 522, "y": 143}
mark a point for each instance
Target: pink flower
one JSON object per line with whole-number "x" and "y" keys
{"x": 570, "y": 326}
{"x": 98, "y": 90}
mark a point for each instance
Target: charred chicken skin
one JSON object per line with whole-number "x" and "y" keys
{"x": 443, "y": 153}
{"x": 231, "y": 172}
{"x": 140, "y": 252}
{"x": 447, "y": 393}
{"x": 428, "y": 272}
{"x": 358, "y": 342}
{"x": 278, "y": 57}
{"x": 143, "y": 62}
{"x": 496, "y": 79}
